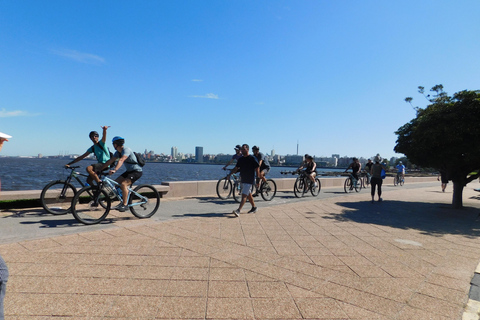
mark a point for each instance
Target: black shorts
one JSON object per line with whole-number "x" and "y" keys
{"x": 132, "y": 175}
{"x": 97, "y": 167}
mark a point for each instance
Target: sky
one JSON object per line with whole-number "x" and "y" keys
{"x": 330, "y": 76}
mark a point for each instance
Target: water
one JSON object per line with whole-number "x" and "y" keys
{"x": 34, "y": 174}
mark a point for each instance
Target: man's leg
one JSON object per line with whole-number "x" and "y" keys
{"x": 3, "y": 288}
{"x": 92, "y": 175}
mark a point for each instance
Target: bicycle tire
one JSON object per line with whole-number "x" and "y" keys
{"x": 316, "y": 190}
{"x": 358, "y": 185}
{"x": 84, "y": 208}
{"x": 298, "y": 187}
{"x": 58, "y": 204}
{"x": 237, "y": 192}
{"x": 347, "y": 185}
{"x": 268, "y": 192}
{"x": 148, "y": 209}
{"x": 224, "y": 188}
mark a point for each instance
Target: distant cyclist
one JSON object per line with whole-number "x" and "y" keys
{"x": 400, "y": 170}
{"x": 368, "y": 168}
{"x": 235, "y": 157}
{"x": 133, "y": 173}
{"x": 310, "y": 168}
{"x": 262, "y": 161}
{"x": 355, "y": 166}
{"x": 101, "y": 153}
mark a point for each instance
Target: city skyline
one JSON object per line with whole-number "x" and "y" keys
{"x": 331, "y": 75}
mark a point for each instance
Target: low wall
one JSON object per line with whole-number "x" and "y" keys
{"x": 177, "y": 189}
{"x": 208, "y": 187}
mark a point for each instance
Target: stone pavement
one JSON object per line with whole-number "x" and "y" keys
{"x": 408, "y": 257}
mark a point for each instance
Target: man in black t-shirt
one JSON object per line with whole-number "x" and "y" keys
{"x": 248, "y": 167}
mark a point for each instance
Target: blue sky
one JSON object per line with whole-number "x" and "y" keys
{"x": 331, "y": 75}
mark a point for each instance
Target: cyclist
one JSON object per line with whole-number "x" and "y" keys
{"x": 304, "y": 162}
{"x": 101, "y": 153}
{"x": 263, "y": 163}
{"x": 368, "y": 168}
{"x": 310, "y": 168}
{"x": 400, "y": 170}
{"x": 355, "y": 166}
{"x": 248, "y": 166}
{"x": 133, "y": 173}
{"x": 235, "y": 157}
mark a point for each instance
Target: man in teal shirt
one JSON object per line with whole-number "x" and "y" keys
{"x": 101, "y": 153}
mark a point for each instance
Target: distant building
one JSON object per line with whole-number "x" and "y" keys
{"x": 174, "y": 152}
{"x": 199, "y": 154}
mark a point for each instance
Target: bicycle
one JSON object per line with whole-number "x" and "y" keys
{"x": 303, "y": 184}
{"x": 365, "y": 179}
{"x": 397, "y": 180}
{"x": 56, "y": 197}
{"x": 91, "y": 204}
{"x": 352, "y": 183}
{"x": 224, "y": 185}
{"x": 267, "y": 190}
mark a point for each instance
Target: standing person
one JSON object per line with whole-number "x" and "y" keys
{"x": 101, "y": 153}
{"x": 248, "y": 166}
{"x": 133, "y": 173}
{"x": 376, "y": 172}
{"x": 235, "y": 157}
{"x": 3, "y": 265}
{"x": 355, "y": 166}
{"x": 444, "y": 179}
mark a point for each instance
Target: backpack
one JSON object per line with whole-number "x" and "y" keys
{"x": 140, "y": 160}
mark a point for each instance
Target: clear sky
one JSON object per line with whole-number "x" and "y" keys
{"x": 332, "y": 75}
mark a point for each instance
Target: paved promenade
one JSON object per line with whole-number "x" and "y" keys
{"x": 408, "y": 257}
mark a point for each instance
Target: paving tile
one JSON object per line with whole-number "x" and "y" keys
{"x": 268, "y": 289}
{"x": 134, "y": 307}
{"x": 275, "y": 309}
{"x": 182, "y": 308}
{"x": 320, "y": 308}
{"x": 229, "y": 308}
{"x": 228, "y": 289}
{"x": 227, "y": 274}
{"x": 186, "y": 288}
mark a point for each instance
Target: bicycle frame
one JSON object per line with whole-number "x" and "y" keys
{"x": 112, "y": 184}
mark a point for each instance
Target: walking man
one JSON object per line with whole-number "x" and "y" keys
{"x": 248, "y": 167}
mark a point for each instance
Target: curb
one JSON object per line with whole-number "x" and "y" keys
{"x": 472, "y": 309}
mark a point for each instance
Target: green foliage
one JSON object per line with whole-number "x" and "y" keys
{"x": 444, "y": 134}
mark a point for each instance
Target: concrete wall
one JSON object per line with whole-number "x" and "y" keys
{"x": 178, "y": 189}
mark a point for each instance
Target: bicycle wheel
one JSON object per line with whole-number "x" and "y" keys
{"x": 401, "y": 182}
{"x": 366, "y": 182}
{"x": 358, "y": 185}
{"x": 144, "y": 201}
{"x": 56, "y": 197}
{"x": 237, "y": 192}
{"x": 224, "y": 188}
{"x": 86, "y": 207}
{"x": 268, "y": 190}
{"x": 316, "y": 190}
{"x": 347, "y": 185}
{"x": 299, "y": 187}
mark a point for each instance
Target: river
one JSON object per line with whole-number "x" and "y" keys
{"x": 35, "y": 173}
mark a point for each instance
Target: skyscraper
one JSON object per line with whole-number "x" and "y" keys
{"x": 174, "y": 152}
{"x": 199, "y": 154}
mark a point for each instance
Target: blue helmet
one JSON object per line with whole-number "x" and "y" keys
{"x": 118, "y": 140}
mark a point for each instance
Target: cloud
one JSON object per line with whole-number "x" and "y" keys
{"x": 81, "y": 57}
{"x": 16, "y": 113}
{"x": 207, "y": 96}
{"x": 197, "y": 80}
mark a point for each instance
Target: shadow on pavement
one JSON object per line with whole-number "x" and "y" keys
{"x": 429, "y": 218}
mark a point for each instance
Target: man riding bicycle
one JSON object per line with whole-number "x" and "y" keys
{"x": 400, "y": 171}
{"x": 235, "y": 157}
{"x": 101, "y": 153}
{"x": 263, "y": 163}
{"x": 355, "y": 166}
{"x": 133, "y": 173}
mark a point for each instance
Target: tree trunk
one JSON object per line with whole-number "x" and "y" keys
{"x": 457, "y": 201}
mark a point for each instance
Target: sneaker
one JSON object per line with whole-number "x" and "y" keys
{"x": 255, "y": 194}
{"x": 236, "y": 212}
{"x": 316, "y": 185}
{"x": 121, "y": 207}
{"x": 380, "y": 200}
{"x": 253, "y": 210}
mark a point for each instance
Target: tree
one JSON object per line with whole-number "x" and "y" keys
{"x": 444, "y": 136}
